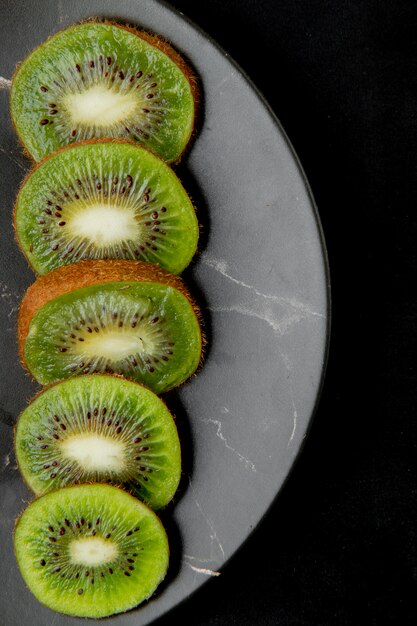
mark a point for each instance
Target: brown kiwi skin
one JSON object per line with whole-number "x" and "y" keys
{"x": 37, "y": 164}
{"x": 154, "y": 40}
{"x": 47, "y": 387}
{"x": 86, "y": 273}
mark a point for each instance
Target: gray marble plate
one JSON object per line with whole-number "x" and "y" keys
{"x": 261, "y": 278}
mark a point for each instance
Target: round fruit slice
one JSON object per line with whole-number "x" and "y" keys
{"x": 124, "y": 317}
{"x": 91, "y": 550}
{"x": 104, "y": 80}
{"x": 99, "y": 429}
{"x": 105, "y": 199}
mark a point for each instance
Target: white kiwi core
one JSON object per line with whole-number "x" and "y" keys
{"x": 115, "y": 344}
{"x": 92, "y": 551}
{"x": 103, "y": 224}
{"x": 100, "y": 107}
{"x": 94, "y": 452}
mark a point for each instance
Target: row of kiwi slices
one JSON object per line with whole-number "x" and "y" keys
{"x": 86, "y": 548}
{"x": 108, "y": 325}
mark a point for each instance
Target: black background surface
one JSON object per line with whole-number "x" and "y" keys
{"x": 339, "y": 545}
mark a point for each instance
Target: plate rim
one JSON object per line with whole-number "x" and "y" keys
{"x": 327, "y": 281}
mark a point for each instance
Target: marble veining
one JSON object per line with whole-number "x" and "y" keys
{"x": 281, "y": 313}
{"x": 247, "y": 463}
{"x": 214, "y": 539}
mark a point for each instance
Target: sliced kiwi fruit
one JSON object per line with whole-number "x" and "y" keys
{"x": 91, "y": 550}
{"x": 104, "y": 80}
{"x": 105, "y": 199}
{"x": 124, "y": 317}
{"x": 100, "y": 428}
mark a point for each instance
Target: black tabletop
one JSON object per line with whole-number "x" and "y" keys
{"x": 338, "y": 546}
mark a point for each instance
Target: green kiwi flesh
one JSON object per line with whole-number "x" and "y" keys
{"x": 102, "y": 80}
{"x": 90, "y": 550}
{"x": 100, "y": 428}
{"x": 146, "y": 331}
{"x": 105, "y": 200}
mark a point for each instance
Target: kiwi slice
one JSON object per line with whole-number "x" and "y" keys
{"x": 104, "y": 80}
{"x": 125, "y": 317}
{"x": 91, "y": 550}
{"x": 105, "y": 199}
{"x": 100, "y": 428}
